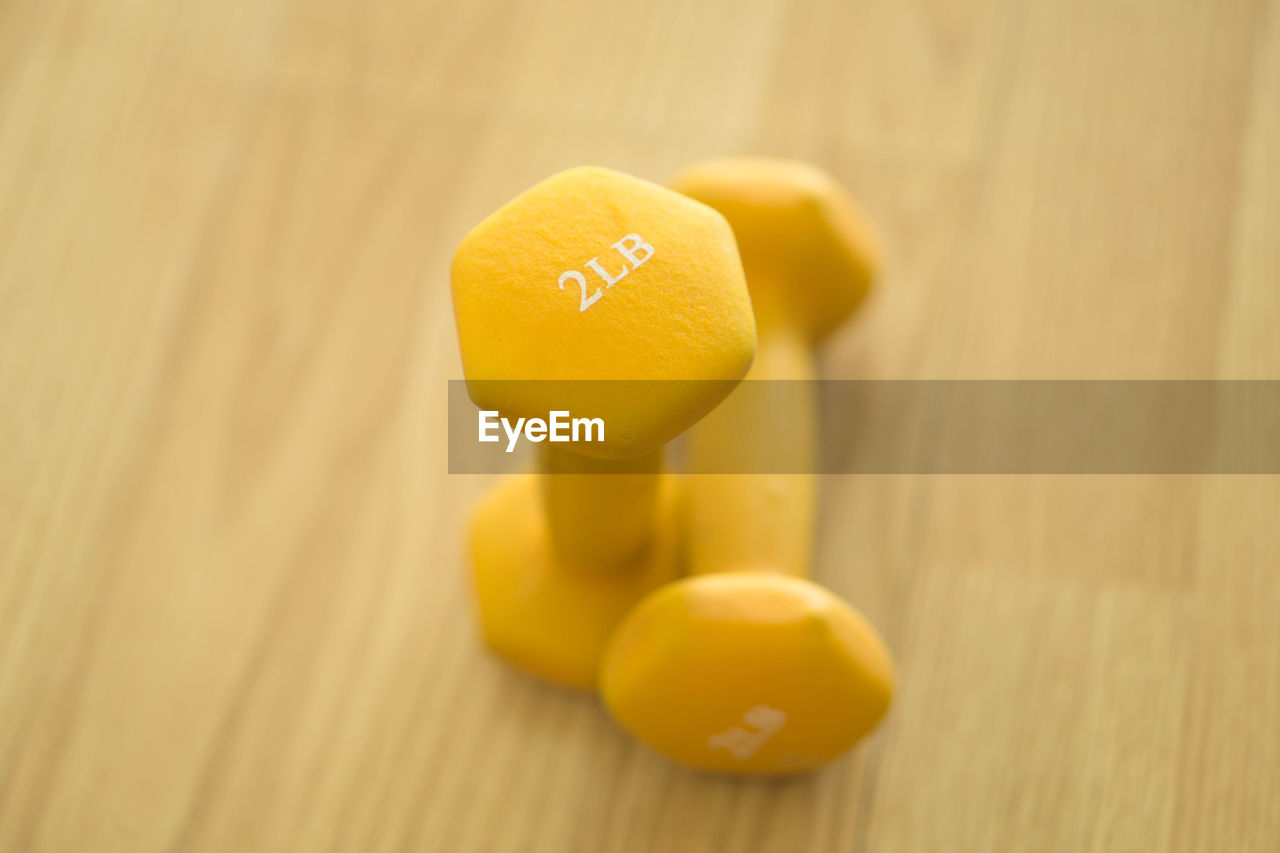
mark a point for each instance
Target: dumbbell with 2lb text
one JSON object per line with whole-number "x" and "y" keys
{"x": 614, "y": 298}
{"x": 746, "y": 667}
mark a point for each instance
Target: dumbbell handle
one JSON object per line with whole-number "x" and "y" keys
{"x": 600, "y": 514}
{"x": 760, "y": 521}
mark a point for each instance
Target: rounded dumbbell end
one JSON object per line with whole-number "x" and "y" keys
{"x": 810, "y": 253}
{"x": 546, "y": 617}
{"x": 747, "y": 673}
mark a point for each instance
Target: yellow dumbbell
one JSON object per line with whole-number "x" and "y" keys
{"x": 563, "y": 298}
{"x": 810, "y": 256}
{"x": 747, "y": 667}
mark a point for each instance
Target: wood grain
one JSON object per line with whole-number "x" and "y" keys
{"x": 233, "y": 606}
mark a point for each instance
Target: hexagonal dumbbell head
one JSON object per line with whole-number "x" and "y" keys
{"x": 809, "y": 252}
{"x": 548, "y": 618}
{"x": 593, "y": 274}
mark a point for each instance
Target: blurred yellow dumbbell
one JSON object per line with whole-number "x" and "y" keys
{"x": 591, "y": 275}
{"x": 746, "y": 667}
{"x": 747, "y": 672}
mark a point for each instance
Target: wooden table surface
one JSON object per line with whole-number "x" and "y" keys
{"x": 234, "y": 610}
